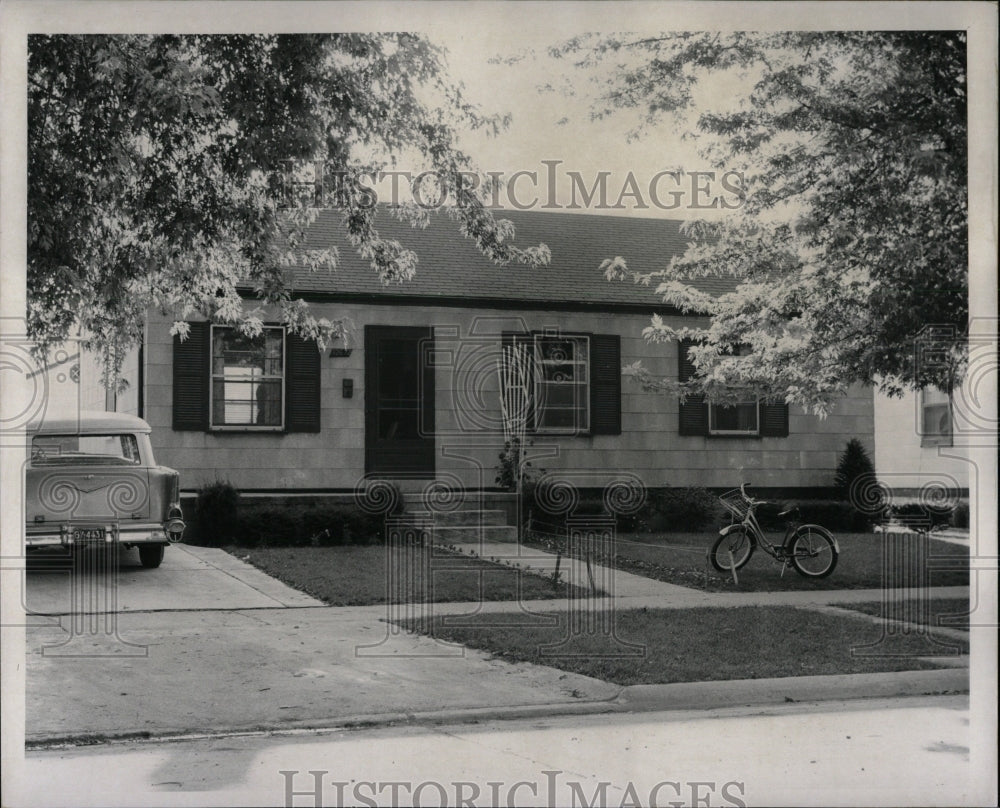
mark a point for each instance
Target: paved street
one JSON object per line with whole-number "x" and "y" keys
{"x": 875, "y": 752}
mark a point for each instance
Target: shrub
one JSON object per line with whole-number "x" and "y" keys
{"x": 921, "y": 515}
{"x": 216, "y": 514}
{"x": 960, "y": 516}
{"x": 835, "y": 515}
{"x": 510, "y": 463}
{"x": 674, "y": 509}
{"x": 286, "y": 525}
{"x": 852, "y": 464}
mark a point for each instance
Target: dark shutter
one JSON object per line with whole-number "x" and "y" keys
{"x": 773, "y": 420}
{"x": 693, "y": 411}
{"x": 509, "y": 339}
{"x": 301, "y": 384}
{"x": 191, "y": 379}
{"x": 605, "y": 385}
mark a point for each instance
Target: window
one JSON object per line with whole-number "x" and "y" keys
{"x": 562, "y": 383}
{"x": 750, "y": 418}
{"x": 98, "y": 450}
{"x": 734, "y": 419}
{"x": 208, "y": 369}
{"x": 742, "y": 418}
{"x": 575, "y": 382}
{"x": 935, "y": 418}
{"x": 247, "y": 378}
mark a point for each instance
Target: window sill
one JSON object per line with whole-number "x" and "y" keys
{"x": 267, "y": 430}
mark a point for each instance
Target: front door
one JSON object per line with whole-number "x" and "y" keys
{"x": 399, "y": 401}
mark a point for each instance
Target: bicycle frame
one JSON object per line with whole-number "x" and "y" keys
{"x": 779, "y": 552}
{"x": 760, "y": 536}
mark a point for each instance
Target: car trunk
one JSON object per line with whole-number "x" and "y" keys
{"x": 86, "y": 493}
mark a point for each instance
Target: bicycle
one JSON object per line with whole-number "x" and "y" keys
{"x": 811, "y": 549}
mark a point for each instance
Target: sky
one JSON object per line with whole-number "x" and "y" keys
{"x": 555, "y": 126}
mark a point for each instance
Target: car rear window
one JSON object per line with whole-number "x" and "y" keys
{"x": 64, "y": 450}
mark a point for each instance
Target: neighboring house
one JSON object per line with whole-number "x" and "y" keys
{"x": 414, "y": 395}
{"x": 916, "y": 446}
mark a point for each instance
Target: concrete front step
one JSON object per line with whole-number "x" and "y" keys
{"x": 464, "y": 534}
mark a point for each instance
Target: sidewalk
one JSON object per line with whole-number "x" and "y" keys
{"x": 631, "y": 591}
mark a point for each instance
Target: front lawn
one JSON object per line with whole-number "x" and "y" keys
{"x": 694, "y": 645}
{"x": 682, "y": 558}
{"x": 353, "y": 575}
{"x": 945, "y": 612}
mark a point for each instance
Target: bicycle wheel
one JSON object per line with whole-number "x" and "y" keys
{"x": 739, "y": 543}
{"x": 814, "y": 552}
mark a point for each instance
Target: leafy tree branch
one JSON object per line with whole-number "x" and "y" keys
{"x": 851, "y": 250}
{"x": 159, "y": 168}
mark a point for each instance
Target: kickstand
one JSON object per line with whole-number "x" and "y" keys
{"x": 732, "y": 566}
{"x": 784, "y": 566}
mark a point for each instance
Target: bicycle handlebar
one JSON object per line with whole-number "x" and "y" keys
{"x": 750, "y": 500}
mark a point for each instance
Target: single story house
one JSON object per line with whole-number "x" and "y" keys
{"x": 414, "y": 395}
{"x": 920, "y": 450}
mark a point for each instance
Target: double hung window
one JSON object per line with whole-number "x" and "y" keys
{"x": 562, "y": 384}
{"x": 248, "y": 378}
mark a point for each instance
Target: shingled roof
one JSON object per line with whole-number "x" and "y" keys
{"x": 452, "y": 271}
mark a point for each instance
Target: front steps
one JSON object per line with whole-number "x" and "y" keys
{"x": 466, "y": 524}
{"x": 465, "y": 527}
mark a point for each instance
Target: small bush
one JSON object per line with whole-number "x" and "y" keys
{"x": 510, "y": 464}
{"x": 308, "y": 524}
{"x": 920, "y": 515}
{"x": 674, "y": 509}
{"x": 853, "y": 463}
{"x": 216, "y": 514}
{"x": 960, "y": 516}
{"x": 835, "y": 515}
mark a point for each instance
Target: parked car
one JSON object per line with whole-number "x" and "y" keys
{"x": 91, "y": 480}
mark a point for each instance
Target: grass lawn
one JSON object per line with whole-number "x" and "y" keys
{"x": 355, "y": 575}
{"x": 682, "y": 558}
{"x": 945, "y": 612}
{"x": 693, "y": 645}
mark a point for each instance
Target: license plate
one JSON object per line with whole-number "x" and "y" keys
{"x": 89, "y": 535}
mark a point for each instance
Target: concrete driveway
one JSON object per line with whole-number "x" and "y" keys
{"x": 207, "y": 643}
{"x": 190, "y": 578}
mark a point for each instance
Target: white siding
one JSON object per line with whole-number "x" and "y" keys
{"x": 649, "y": 444}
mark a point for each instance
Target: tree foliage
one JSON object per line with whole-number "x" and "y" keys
{"x": 849, "y": 259}
{"x": 158, "y": 172}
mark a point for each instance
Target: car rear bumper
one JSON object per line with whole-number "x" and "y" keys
{"x": 70, "y": 535}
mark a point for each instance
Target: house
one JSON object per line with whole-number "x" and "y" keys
{"x": 918, "y": 449}
{"x": 414, "y": 395}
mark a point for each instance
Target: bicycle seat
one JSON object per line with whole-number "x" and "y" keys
{"x": 789, "y": 511}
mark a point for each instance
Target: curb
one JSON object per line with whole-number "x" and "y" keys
{"x": 738, "y": 693}
{"x": 762, "y": 692}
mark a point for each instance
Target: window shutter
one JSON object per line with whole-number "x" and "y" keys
{"x": 508, "y": 339}
{"x": 693, "y": 411}
{"x": 302, "y": 384}
{"x": 605, "y": 384}
{"x": 191, "y": 379}
{"x": 773, "y": 420}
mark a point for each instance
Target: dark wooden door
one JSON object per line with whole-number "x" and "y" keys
{"x": 399, "y": 401}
